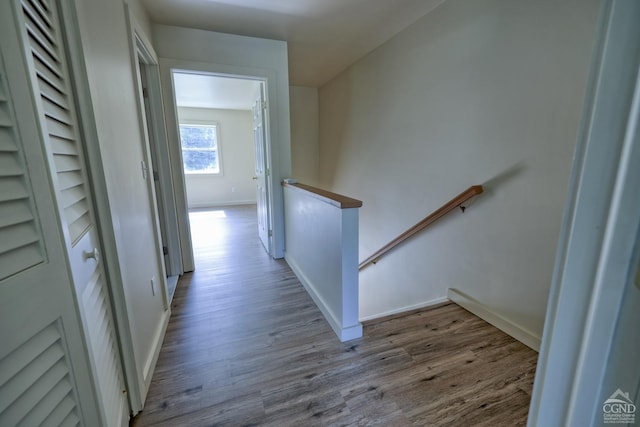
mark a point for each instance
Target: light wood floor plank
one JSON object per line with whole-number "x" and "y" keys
{"x": 247, "y": 346}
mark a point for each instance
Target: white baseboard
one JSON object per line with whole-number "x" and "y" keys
{"x": 424, "y": 304}
{"x": 221, "y": 204}
{"x": 344, "y": 333}
{"x": 172, "y": 285}
{"x": 350, "y": 333}
{"x": 469, "y": 303}
{"x": 150, "y": 365}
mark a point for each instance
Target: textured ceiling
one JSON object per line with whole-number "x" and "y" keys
{"x": 324, "y": 36}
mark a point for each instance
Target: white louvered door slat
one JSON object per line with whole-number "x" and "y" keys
{"x": 7, "y": 144}
{"x": 72, "y": 196}
{"x": 21, "y": 258}
{"x": 62, "y": 146}
{"x": 6, "y": 121}
{"x": 20, "y": 243}
{"x": 70, "y": 421}
{"x": 54, "y": 110}
{"x": 40, "y": 414}
{"x": 69, "y": 179}
{"x": 18, "y": 360}
{"x": 21, "y": 382}
{"x": 61, "y": 411}
{"x": 34, "y": 378}
{"x": 15, "y": 212}
{"x": 99, "y": 314}
{"x": 50, "y": 93}
{"x": 9, "y": 166}
{"x": 60, "y": 129}
{"x": 13, "y": 188}
{"x": 64, "y": 143}
{"x": 44, "y": 57}
{"x": 35, "y": 11}
{"x": 18, "y": 236}
{"x": 57, "y": 389}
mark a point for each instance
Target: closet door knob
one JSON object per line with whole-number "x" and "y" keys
{"x": 95, "y": 254}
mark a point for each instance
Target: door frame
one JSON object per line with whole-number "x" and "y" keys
{"x": 268, "y": 78}
{"x": 139, "y": 49}
{"x": 595, "y": 257}
{"x": 145, "y": 61}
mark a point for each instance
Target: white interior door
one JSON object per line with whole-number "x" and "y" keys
{"x": 45, "y": 375}
{"x": 158, "y": 205}
{"x": 262, "y": 171}
{"x": 40, "y": 27}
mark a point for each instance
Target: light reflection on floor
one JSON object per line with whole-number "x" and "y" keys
{"x": 209, "y": 228}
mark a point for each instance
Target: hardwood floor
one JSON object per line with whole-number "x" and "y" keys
{"x": 247, "y": 346}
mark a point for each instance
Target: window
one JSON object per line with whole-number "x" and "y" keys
{"x": 200, "y": 153}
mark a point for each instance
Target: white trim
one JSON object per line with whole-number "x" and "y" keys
{"x": 516, "y": 331}
{"x": 172, "y": 283}
{"x": 150, "y": 364}
{"x": 424, "y": 304}
{"x": 607, "y": 330}
{"x": 136, "y": 48}
{"x": 221, "y": 204}
{"x": 269, "y": 78}
{"x": 141, "y": 52}
{"x": 163, "y": 164}
{"x": 177, "y": 172}
{"x": 344, "y": 333}
{"x": 350, "y": 333}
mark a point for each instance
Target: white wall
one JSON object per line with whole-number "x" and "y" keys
{"x": 590, "y": 347}
{"x": 141, "y": 16}
{"x": 185, "y": 48}
{"x": 475, "y": 92}
{"x": 322, "y": 250}
{"x": 235, "y": 185}
{"x": 304, "y": 133}
{"x": 106, "y": 50}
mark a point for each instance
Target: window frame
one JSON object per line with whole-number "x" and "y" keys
{"x": 209, "y": 124}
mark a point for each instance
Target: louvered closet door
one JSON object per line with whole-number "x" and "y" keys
{"x": 45, "y": 376}
{"x": 54, "y": 96}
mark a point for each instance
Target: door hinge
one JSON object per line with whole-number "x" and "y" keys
{"x": 145, "y": 92}
{"x": 270, "y": 233}
{"x": 267, "y": 172}
{"x": 156, "y": 176}
{"x": 264, "y": 105}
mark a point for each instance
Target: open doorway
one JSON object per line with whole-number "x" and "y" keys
{"x": 223, "y": 145}
{"x": 277, "y": 149}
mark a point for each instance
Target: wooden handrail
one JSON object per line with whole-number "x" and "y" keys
{"x": 457, "y": 201}
{"x": 334, "y": 199}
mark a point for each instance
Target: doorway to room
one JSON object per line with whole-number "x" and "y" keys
{"x": 221, "y": 126}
